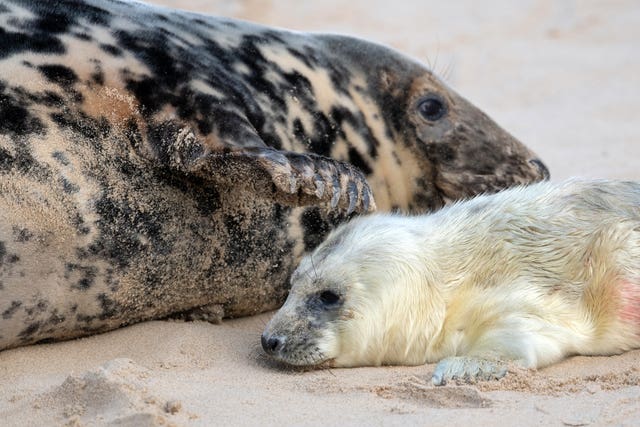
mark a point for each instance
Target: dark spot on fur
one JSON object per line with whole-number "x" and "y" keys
{"x": 61, "y": 157}
{"x": 109, "y": 307}
{"x": 239, "y": 240}
{"x": 7, "y": 257}
{"x": 83, "y": 36}
{"x": 156, "y": 50}
{"x": 83, "y": 318}
{"x": 68, "y": 187}
{"x": 85, "y": 283}
{"x": 16, "y": 119}
{"x": 21, "y": 235}
{"x": 8, "y": 313}
{"x": 309, "y": 57}
{"x": 59, "y": 74}
{"x": 426, "y": 197}
{"x": 12, "y": 43}
{"x": 27, "y": 332}
{"x": 111, "y": 49}
{"x": 46, "y": 98}
{"x": 36, "y": 309}
{"x": 298, "y": 131}
{"x": 300, "y": 87}
{"x": 315, "y": 226}
{"x": 98, "y": 77}
{"x": 207, "y": 199}
{"x": 234, "y": 128}
{"x": 83, "y": 124}
{"x": 325, "y": 133}
{"x": 88, "y": 275}
{"x": 149, "y": 93}
{"x": 76, "y": 12}
{"x": 356, "y": 159}
{"x": 24, "y": 162}
{"x": 340, "y": 115}
{"x": 443, "y": 152}
{"x": 53, "y": 23}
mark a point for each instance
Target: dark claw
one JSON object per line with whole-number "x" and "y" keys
{"x": 365, "y": 199}
{"x": 335, "y": 198}
{"x": 352, "y": 191}
{"x": 303, "y": 169}
{"x": 319, "y": 183}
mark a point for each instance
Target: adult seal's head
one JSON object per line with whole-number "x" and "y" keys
{"x": 445, "y": 147}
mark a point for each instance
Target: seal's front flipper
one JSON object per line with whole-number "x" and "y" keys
{"x": 289, "y": 178}
{"x": 285, "y": 177}
{"x": 468, "y": 369}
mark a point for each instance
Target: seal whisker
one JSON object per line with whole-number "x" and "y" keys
{"x": 315, "y": 272}
{"x": 448, "y": 71}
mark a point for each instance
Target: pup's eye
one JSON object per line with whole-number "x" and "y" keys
{"x": 432, "y": 108}
{"x": 329, "y": 297}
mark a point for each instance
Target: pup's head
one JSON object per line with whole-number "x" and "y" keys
{"x": 363, "y": 297}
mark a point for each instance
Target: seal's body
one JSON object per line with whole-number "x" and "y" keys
{"x": 531, "y": 274}
{"x": 153, "y": 161}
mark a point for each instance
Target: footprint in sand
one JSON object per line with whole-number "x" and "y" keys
{"x": 116, "y": 393}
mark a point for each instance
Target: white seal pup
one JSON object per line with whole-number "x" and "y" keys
{"x": 532, "y": 275}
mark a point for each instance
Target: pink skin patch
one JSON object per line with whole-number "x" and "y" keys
{"x": 630, "y": 298}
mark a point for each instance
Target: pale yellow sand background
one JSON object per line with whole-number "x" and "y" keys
{"x": 563, "y": 76}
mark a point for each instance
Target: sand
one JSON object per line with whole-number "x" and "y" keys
{"x": 562, "y": 76}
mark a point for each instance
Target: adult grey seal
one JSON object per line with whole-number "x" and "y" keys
{"x": 154, "y": 161}
{"x": 531, "y": 275}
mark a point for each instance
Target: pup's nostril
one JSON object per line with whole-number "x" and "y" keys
{"x": 271, "y": 344}
{"x": 541, "y": 168}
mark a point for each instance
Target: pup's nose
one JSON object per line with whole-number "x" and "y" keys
{"x": 544, "y": 171}
{"x": 271, "y": 344}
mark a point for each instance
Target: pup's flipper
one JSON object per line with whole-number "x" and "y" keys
{"x": 467, "y": 369}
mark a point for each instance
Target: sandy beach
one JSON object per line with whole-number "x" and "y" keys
{"x": 562, "y": 76}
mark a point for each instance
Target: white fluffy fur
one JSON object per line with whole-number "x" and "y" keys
{"x": 531, "y": 274}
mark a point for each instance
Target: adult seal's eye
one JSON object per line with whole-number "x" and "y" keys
{"x": 329, "y": 297}
{"x": 432, "y": 108}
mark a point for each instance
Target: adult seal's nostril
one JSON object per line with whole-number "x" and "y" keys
{"x": 541, "y": 168}
{"x": 271, "y": 344}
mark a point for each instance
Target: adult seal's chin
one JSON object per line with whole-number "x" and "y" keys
{"x": 542, "y": 169}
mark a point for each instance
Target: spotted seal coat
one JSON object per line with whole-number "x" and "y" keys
{"x": 155, "y": 161}
{"x": 531, "y": 275}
